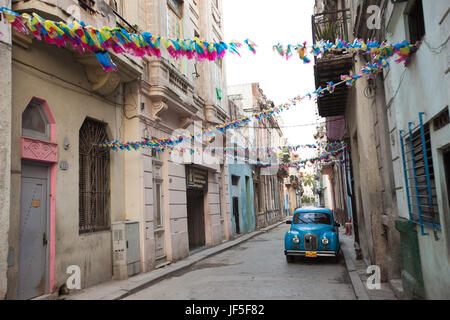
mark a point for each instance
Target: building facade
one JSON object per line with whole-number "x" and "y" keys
{"x": 418, "y": 113}
{"x": 65, "y": 193}
{"x": 188, "y": 191}
{"x": 264, "y": 141}
{"x": 5, "y": 147}
{"x": 367, "y": 191}
{"x": 72, "y": 204}
{"x": 397, "y": 126}
{"x": 240, "y": 173}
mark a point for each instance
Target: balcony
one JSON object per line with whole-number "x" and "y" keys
{"x": 96, "y": 13}
{"x": 331, "y": 26}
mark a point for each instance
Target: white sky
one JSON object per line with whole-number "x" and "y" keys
{"x": 268, "y": 22}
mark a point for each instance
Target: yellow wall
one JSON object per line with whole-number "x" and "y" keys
{"x": 70, "y": 105}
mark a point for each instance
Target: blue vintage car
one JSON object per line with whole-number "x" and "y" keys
{"x": 313, "y": 234}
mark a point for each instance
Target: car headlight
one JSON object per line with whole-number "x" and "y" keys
{"x": 296, "y": 240}
{"x": 325, "y": 241}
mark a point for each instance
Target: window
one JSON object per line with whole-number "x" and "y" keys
{"x": 218, "y": 76}
{"x": 447, "y": 172}
{"x": 272, "y": 193}
{"x": 94, "y": 192}
{"x": 234, "y": 180}
{"x": 156, "y": 154}
{"x": 175, "y": 28}
{"x": 158, "y": 193}
{"x": 116, "y": 5}
{"x": 441, "y": 120}
{"x": 158, "y": 202}
{"x": 34, "y": 121}
{"x": 312, "y": 217}
{"x": 416, "y": 22}
{"x": 219, "y": 181}
{"x": 419, "y": 176}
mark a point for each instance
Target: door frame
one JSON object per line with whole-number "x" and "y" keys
{"x": 47, "y": 167}
{"x": 40, "y": 152}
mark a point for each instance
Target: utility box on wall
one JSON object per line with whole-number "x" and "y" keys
{"x": 126, "y": 249}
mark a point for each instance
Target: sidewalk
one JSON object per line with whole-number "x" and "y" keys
{"x": 358, "y": 275}
{"x": 119, "y": 289}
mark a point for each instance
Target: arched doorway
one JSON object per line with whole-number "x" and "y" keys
{"x": 37, "y": 201}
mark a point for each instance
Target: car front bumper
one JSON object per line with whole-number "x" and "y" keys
{"x": 303, "y": 253}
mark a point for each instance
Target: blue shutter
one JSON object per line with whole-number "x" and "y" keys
{"x": 419, "y": 176}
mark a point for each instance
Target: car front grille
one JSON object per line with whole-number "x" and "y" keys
{"x": 310, "y": 242}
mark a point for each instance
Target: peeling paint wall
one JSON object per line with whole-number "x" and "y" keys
{"x": 422, "y": 86}
{"x": 52, "y": 74}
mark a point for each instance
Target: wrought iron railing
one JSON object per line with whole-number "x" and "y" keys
{"x": 124, "y": 24}
{"x": 331, "y": 25}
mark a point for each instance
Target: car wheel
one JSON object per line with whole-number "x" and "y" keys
{"x": 289, "y": 259}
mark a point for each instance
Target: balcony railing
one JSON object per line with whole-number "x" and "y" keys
{"x": 331, "y": 25}
{"x": 124, "y": 24}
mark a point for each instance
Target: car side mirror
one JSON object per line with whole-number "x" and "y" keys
{"x": 337, "y": 224}
{"x": 288, "y": 222}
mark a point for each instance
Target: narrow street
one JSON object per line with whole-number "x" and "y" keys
{"x": 256, "y": 269}
{"x": 161, "y": 149}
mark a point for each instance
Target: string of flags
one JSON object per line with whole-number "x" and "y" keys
{"x": 378, "y": 50}
{"x": 159, "y": 145}
{"x": 100, "y": 40}
{"x": 325, "y": 158}
{"x": 283, "y": 149}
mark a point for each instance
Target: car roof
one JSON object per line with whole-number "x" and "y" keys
{"x": 313, "y": 209}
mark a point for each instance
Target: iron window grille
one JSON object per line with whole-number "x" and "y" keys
{"x": 94, "y": 184}
{"x": 419, "y": 175}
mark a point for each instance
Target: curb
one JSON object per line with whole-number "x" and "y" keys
{"x": 357, "y": 284}
{"x": 154, "y": 276}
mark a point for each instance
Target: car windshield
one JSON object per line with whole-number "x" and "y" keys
{"x": 312, "y": 217}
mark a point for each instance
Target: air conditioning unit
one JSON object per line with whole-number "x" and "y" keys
{"x": 126, "y": 249}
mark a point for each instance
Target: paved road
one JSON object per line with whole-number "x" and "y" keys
{"x": 256, "y": 269}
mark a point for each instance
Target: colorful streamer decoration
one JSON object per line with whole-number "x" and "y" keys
{"x": 380, "y": 51}
{"x": 99, "y": 41}
{"x": 325, "y": 157}
{"x": 163, "y": 144}
{"x": 282, "y": 149}
{"x": 350, "y": 80}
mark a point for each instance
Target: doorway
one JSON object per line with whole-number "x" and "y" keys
{"x": 196, "y": 218}
{"x": 236, "y": 214}
{"x": 33, "y": 237}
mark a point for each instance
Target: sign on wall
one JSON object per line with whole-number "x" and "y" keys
{"x": 196, "y": 178}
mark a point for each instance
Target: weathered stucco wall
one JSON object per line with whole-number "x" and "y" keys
{"x": 5, "y": 146}
{"x": 423, "y": 87}
{"x": 246, "y": 213}
{"x": 58, "y": 79}
{"x": 368, "y": 187}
